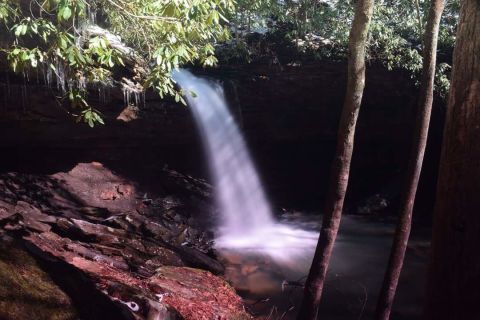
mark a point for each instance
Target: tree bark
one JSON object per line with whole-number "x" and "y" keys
{"x": 454, "y": 277}
{"x": 402, "y": 233}
{"x": 341, "y": 164}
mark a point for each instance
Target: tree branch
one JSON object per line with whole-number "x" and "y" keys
{"x": 154, "y": 18}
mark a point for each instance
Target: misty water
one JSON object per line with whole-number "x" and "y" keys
{"x": 268, "y": 255}
{"x": 247, "y": 221}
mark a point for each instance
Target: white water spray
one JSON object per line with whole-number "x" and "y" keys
{"x": 247, "y": 219}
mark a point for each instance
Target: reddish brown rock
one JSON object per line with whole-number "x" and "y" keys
{"x": 129, "y": 113}
{"x": 194, "y": 294}
{"x": 99, "y": 187}
{"x": 130, "y": 258}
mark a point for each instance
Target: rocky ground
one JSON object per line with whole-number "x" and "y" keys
{"x": 89, "y": 244}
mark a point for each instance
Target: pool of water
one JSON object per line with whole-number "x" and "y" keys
{"x": 268, "y": 270}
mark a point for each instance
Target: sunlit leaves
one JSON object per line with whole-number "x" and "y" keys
{"x": 170, "y": 33}
{"x": 67, "y": 9}
{"x": 164, "y": 33}
{"x": 20, "y": 58}
{"x": 395, "y": 37}
{"x": 8, "y": 11}
{"x": 91, "y": 117}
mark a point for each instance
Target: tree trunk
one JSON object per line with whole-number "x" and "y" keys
{"x": 454, "y": 277}
{"x": 341, "y": 163}
{"x": 402, "y": 233}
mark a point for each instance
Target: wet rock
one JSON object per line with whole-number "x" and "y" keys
{"x": 170, "y": 202}
{"x": 197, "y": 294}
{"x": 129, "y": 113}
{"x": 175, "y": 181}
{"x": 98, "y": 232}
{"x": 28, "y": 216}
{"x": 134, "y": 220}
{"x": 198, "y": 259}
{"x": 108, "y": 249}
{"x": 160, "y": 311}
{"x": 108, "y": 195}
{"x": 383, "y": 199}
{"x": 95, "y": 213}
{"x": 6, "y": 210}
{"x": 156, "y": 230}
{"x": 99, "y": 187}
{"x": 165, "y": 258}
{"x": 34, "y": 225}
{"x": 117, "y": 262}
{"x": 374, "y": 204}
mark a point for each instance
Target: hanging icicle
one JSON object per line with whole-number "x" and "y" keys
{"x": 133, "y": 93}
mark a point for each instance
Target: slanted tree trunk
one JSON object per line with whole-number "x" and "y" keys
{"x": 402, "y": 233}
{"x": 341, "y": 163}
{"x": 454, "y": 277}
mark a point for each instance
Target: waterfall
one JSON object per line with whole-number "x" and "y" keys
{"x": 239, "y": 193}
{"x": 246, "y": 216}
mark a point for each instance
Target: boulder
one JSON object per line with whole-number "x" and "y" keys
{"x": 116, "y": 256}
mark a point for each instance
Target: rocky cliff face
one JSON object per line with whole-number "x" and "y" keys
{"x": 272, "y": 104}
{"x": 289, "y": 116}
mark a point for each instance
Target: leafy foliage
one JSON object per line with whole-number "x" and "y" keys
{"x": 320, "y": 29}
{"x": 150, "y": 38}
{"x": 52, "y": 36}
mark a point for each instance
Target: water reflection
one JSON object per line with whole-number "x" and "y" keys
{"x": 270, "y": 278}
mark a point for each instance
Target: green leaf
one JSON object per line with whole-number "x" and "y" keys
{"x": 65, "y": 13}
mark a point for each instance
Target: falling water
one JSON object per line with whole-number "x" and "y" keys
{"x": 269, "y": 258}
{"x": 247, "y": 219}
{"x": 240, "y": 195}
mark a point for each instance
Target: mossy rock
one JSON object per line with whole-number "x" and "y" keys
{"x": 26, "y": 291}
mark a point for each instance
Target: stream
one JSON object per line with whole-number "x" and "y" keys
{"x": 271, "y": 285}
{"x": 268, "y": 258}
